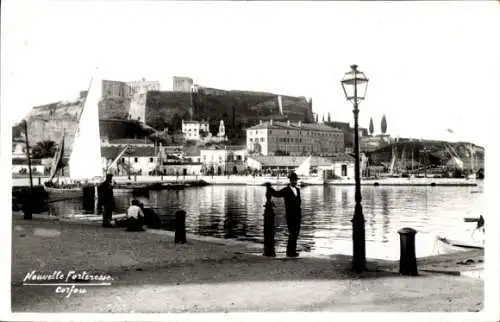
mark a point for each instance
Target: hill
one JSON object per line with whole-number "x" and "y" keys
{"x": 429, "y": 151}
{"x": 166, "y": 109}
{"x": 238, "y": 110}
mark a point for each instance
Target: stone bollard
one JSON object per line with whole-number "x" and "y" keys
{"x": 27, "y": 210}
{"x": 180, "y": 227}
{"x": 408, "y": 259}
{"x": 269, "y": 226}
{"x": 88, "y": 198}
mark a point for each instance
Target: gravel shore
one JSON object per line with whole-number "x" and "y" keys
{"x": 152, "y": 274}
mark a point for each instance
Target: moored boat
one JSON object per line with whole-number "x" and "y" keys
{"x": 85, "y": 165}
{"x": 447, "y": 245}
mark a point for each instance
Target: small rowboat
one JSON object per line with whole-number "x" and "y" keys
{"x": 449, "y": 245}
{"x": 90, "y": 218}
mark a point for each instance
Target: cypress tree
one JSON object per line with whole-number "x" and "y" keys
{"x": 383, "y": 124}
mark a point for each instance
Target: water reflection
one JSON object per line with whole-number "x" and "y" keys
{"x": 385, "y": 216}
{"x": 237, "y": 212}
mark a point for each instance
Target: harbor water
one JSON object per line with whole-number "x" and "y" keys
{"x": 236, "y": 212}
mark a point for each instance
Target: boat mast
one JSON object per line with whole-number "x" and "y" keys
{"x": 28, "y": 154}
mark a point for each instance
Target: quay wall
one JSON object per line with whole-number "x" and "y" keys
{"x": 257, "y": 181}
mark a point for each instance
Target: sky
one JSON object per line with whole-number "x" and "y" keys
{"x": 432, "y": 65}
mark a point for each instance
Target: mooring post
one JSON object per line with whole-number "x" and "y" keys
{"x": 27, "y": 206}
{"x": 408, "y": 259}
{"x": 269, "y": 250}
{"x": 180, "y": 227}
{"x": 96, "y": 200}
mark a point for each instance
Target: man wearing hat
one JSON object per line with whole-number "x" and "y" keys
{"x": 291, "y": 193}
{"x": 106, "y": 200}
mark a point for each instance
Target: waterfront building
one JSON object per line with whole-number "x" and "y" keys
{"x": 340, "y": 165}
{"x": 195, "y": 130}
{"x": 223, "y": 160}
{"x": 294, "y": 139}
{"x": 20, "y": 166}
{"x": 184, "y": 168}
{"x": 139, "y": 160}
{"x": 173, "y": 152}
{"x": 200, "y": 131}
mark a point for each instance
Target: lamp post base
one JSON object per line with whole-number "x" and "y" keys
{"x": 358, "y": 238}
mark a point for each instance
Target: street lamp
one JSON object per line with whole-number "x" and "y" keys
{"x": 355, "y": 84}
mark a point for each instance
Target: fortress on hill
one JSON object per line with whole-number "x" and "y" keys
{"x": 139, "y": 108}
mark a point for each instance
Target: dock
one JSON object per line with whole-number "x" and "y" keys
{"x": 193, "y": 180}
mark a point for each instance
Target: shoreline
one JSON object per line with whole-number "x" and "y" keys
{"x": 449, "y": 264}
{"x": 261, "y": 180}
{"x": 152, "y": 274}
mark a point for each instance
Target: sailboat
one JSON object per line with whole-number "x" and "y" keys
{"x": 304, "y": 170}
{"x": 472, "y": 153}
{"x": 85, "y": 165}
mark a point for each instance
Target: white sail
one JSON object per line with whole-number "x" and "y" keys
{"x": 85, "y": 159}
{"x": 280, "y": 104}
{"x": 393, "y": 160}
{"x": 305, "y": 168}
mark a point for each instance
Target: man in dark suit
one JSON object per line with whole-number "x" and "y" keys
{"x": 291, "y": 193}
{"x": 106, "y": 200}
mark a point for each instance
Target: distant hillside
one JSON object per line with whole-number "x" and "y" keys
{"x": 435, "y": 152}
{"x": 238, "y": 109}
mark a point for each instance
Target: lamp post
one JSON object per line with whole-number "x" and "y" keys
{"x": 355, "y": 84}
{"x": 129, "y": 152}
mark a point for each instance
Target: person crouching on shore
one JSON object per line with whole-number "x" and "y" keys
{"x": 135, "y": 217}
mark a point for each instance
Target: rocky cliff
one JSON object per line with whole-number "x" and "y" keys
{"x": 238, "y": 109}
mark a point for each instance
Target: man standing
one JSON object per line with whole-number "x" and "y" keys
{"x": 293, "y": 212}
{"x": 106, "y": 200}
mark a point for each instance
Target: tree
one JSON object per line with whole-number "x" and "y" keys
{"x": 383, "y": 125}
{"x": 316, "y": 118}
{"x": 323, "y": 120}
{"x": 371, "y": 126}
{"x": 176, "y": 123}
{"x": 329, "y": 119}
{"x": 44, "y": 149}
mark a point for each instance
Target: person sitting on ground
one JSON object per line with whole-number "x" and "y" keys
{"x": 135, "y": 217}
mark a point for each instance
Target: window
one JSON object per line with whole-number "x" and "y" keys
{"x": 344, "y": 170}
{"x": 261, "y": 139}
{"x": 150, "y": 159}
{"x": 123, "y": 159}
{"x": 136, "y": 160}
{"x": 270, "y": 131}
{"x": 251, "y": 140}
